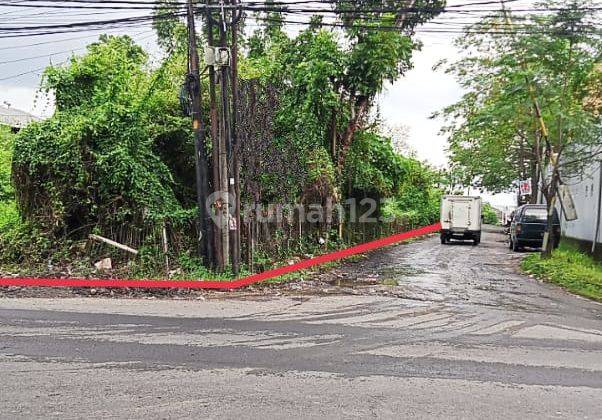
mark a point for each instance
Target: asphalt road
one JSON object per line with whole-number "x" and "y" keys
{"x": 420, "y": 330}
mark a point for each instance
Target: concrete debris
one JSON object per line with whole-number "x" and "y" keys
{"x": 104, "y": 265}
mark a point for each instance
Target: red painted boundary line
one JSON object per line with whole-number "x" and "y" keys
{"x": 228, "y": 285}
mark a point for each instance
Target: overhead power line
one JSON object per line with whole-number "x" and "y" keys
{"x": 16, "y": 31}
{"x": 48, "y": 55}
{"x": 14, "y": 76}
{"x": 501, "y": 29}
{"x": 361, "y": 18}
{"x": 53, "y": 41}
{"x": 40, "y": 69}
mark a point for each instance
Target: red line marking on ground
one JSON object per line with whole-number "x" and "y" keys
{"x": 227, "y": 285}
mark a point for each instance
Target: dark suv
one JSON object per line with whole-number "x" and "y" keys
{"x": 529, "y": 226}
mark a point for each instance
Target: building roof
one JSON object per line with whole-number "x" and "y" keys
{"x": 15, "y": 118}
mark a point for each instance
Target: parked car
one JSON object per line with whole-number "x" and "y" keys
{"x": 461, "y": 218}
{"x": 529, "y": 226}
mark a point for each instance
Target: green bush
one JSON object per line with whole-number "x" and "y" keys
{"x": 406, "y": 185}
{"x": 22, "y": 242}
{"x": 569, "y": 268}
{"x": 11, "y": 232}
{"x": 374, "y": 167}
{"x": 6, "y": 154}
{"x": 9, "y": 216}
{"x": 96, "y": 161}
{"x": 489, "y": 215}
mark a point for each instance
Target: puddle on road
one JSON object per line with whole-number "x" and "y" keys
{"x": 402, "y": 270}
{"x": 397, "y": 275}
{"x": 389, "y": 276}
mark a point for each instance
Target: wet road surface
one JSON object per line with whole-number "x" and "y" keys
{"x": 419, "y": 330}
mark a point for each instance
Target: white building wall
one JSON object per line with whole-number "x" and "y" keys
{"x": 585, "y": 191}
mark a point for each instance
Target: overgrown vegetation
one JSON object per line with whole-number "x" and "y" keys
{"x": 570, "y": 269}
{"x": 489, "y": 215}
{"x": 117, "y": 157}
{"x": 8, "y": 208}
{"x": 6, "y": 153}
{"x": 95, "y": 162}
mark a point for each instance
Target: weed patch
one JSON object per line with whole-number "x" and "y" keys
{"x": 569, "y": 268}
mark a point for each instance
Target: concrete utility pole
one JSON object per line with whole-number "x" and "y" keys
{"x": 205, "y": 241}
{"x": 235, "y": 189}
{"x": 215, "y": 151}
{"x": 224, "y": 141}
{"x": 226, "y": 167}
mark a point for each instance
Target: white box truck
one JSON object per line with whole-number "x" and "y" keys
{"x": 461, "y": 218}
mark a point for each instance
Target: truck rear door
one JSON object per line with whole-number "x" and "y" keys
{"x": 460, "y": 215}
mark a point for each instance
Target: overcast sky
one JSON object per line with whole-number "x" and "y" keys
{"x": 412, "y": 99}
{"x": 409, "y": 101}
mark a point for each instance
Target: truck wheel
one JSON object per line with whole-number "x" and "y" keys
{"x": 443, "y": 239}
{"x": 477, "y": 240}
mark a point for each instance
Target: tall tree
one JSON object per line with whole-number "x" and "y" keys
{"x": 379, "y": 35}
{"x": 526, "y": 110}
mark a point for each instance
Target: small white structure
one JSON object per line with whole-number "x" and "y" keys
{"x": 15, "y": 118}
